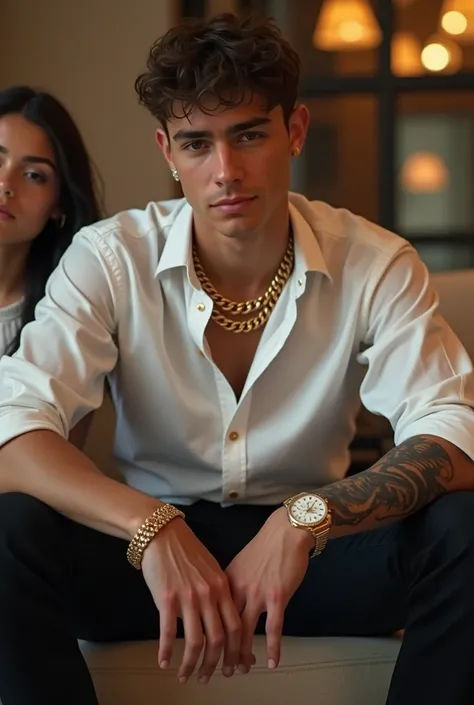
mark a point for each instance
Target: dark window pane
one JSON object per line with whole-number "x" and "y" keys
{"x": 339, "y": 161}
{"x": 445, "y": 254}
{"x": 435, "y": 176}
{"x": 435, "y": 163}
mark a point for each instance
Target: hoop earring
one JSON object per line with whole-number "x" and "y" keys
{"x": 61, "y": 222}
{"x": 174, "y": 173}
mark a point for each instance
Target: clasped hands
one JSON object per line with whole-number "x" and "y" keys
{"x": 220, "y": 610}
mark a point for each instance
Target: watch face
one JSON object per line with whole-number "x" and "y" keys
{"x": 308, "y": 509}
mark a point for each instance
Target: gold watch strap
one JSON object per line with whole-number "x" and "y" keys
{"x": 148, "y": 530}
{"x": 320, "y": 540}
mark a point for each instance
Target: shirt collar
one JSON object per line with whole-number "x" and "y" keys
{"x": 308, "y": 254}
{"x": 177, "y": 249}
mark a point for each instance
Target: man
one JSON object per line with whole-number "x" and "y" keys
{"x": 232, "y": 326}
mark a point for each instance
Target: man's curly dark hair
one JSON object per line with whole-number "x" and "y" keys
{"x": 219, "y": 63}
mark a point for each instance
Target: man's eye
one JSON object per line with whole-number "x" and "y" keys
{"x": 251, "y": 136}
{"x": 194, "y": 146}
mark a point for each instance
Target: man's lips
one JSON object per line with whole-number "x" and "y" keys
{"x": 234, "y": 201}
{"x": 5, "y": 214}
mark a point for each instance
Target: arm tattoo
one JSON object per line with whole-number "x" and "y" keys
{"x": 406, "y": 479}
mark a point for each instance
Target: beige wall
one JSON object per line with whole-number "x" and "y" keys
{"x": 88, "y": 53}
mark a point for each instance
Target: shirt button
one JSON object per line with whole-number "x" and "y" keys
{"x": 300, "y": 282}
{"x": 233, "y": 494}
{"x": 233, "y": 436}
{"x": 201, "y": 307}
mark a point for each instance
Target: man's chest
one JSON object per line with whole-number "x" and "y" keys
{"x": 232, "y": 353}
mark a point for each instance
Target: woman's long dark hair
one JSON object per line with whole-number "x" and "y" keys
{"x": 78, "y": 199}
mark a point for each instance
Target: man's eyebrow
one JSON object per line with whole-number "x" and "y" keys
{"x": 185, "y": 134}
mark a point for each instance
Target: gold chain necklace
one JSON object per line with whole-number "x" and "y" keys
{"x": 264, "y": 304}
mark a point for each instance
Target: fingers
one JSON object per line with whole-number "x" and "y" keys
{"x": 233, "y": 630}
{"x": 249, "y": 618}
{"x": 274, "y": 628}
{"x": 215, "y": 639}
{"x": 168, "y": 620}
{"x": 193, "y": 639}
{"x": 221, "y": 631}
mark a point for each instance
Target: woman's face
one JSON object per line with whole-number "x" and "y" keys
{"x": 29, "y": 180}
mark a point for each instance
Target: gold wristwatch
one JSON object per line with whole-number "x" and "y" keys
{"x": 310, "y": 512}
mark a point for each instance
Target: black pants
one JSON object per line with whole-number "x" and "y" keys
{"x": 60, "y": 581}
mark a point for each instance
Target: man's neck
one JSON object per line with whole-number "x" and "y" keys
{"x": 242, "y": 268}
{"x": 12, "y": 267}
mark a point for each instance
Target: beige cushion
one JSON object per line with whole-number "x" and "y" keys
{"x": 456, "y": 294}
{"x": 326, "y": 671}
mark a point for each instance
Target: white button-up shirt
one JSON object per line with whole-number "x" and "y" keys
{"x": 125, "y": 303}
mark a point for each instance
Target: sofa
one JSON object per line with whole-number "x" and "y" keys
{"x": 330, "y": 671}
{"x": 333, "y": 671}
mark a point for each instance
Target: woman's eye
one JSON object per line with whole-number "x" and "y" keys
{"x": 34, "y": 176}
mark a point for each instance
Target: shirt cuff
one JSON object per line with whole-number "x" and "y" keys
{"x": 456, "y": 427}
{"x": 16, "y": 422}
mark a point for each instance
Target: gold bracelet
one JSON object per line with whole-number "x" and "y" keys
{"x": 148, "y": 530}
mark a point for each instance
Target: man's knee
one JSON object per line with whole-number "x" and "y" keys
{"x": 34, "y": 541}
{"x": 448, "y": 522}
{"x": 24, "y": 518}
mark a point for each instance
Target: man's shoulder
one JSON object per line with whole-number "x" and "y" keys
{"x": 133, "y": 239}
{"x": 342, "y": 232}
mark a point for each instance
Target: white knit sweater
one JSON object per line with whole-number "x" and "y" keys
{"x": 10, "y": 321}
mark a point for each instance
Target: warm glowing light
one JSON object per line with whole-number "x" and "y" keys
{"x": 435, "y": 57}
{"x": 424, "y": 172}
{"x": 406, "y": 52}
{"x": 441, "y": 55}
{"x": 457, "y": 18}
{"x": 346, "y": 25}
{"x": 351, "y": 31}
{"x": 454, "y": 22}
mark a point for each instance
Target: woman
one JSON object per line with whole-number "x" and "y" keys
{"x": 47, "y": 194}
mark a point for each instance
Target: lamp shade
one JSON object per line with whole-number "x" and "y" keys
{"x": 406, "y": 55}
{"x": 346, "y": 25}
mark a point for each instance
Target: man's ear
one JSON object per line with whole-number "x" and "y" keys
{"x": 163, "y": 142}
{"x": 298, "y": 127}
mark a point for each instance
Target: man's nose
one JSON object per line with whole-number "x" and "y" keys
{"x": 229, "y": 168}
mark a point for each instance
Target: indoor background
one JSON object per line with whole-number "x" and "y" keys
{"x": 389, "y": 83}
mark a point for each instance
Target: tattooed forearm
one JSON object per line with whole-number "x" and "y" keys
{"x": 406, "y": 479}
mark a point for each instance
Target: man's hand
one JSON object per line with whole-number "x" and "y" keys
{"x": 187, "y": 582}
{"x": 263, "y": 577}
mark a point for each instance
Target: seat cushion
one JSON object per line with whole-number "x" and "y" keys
{"x": 331, "y": 671}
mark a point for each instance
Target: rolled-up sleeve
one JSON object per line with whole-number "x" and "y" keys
{"x": 57, "y": 375}
{"x": 419, "y": 376}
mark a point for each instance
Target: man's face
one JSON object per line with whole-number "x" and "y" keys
{"x": 234, "y": 164}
